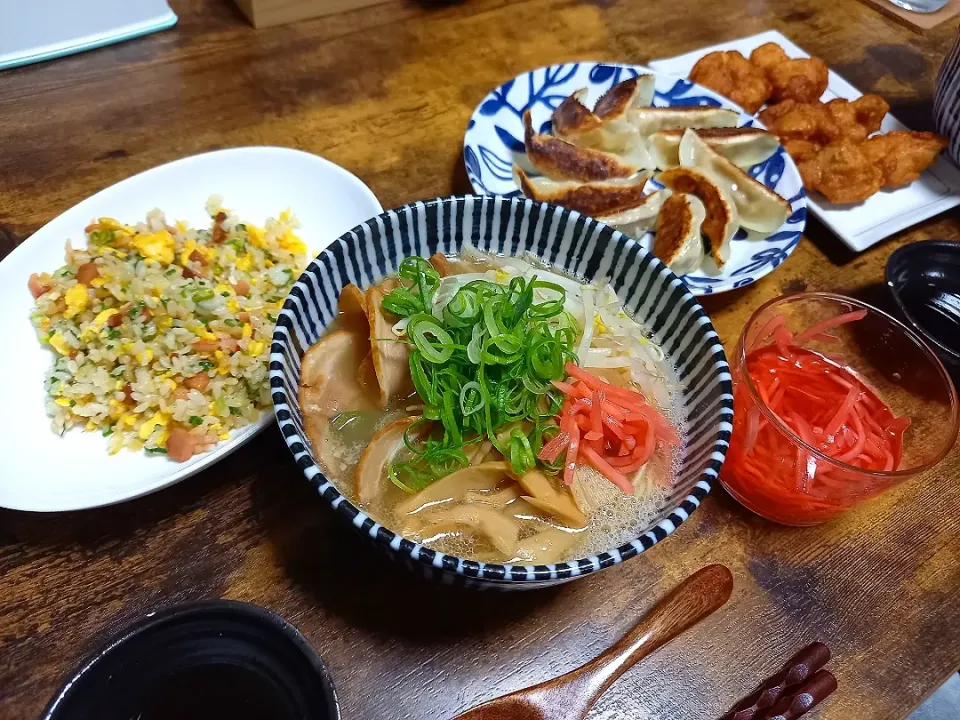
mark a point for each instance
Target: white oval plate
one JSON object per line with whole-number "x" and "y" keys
{"x": 42, "y": 472}
{"x": 494, "y": 140}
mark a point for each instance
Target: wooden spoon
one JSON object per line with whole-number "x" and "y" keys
{"x": 570, "y": 696}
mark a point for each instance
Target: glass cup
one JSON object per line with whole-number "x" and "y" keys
{"x": 772, "y": 471}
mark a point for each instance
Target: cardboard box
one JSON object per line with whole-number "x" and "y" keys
{"x": 264, "y": 13}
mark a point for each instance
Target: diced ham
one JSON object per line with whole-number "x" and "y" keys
{"x": 37, "y": 286}
{"x": 219, "y": 234}
{"x": 188, "y": 273}
{"x": 197, "y": 382}
{"x": 128, "y": 393}
{"x": 205, "y": 346}
{"x": 242, "y": 287}
{"x": 91, "y": 227}
{"x": 87, "y": 272}
{"x": 197, "y": 256}
{"x": 181, "y": 445}
{"x": 115, "y": 320}
{"x": 229, "y": 344}
{"x": 243, "y": 316}
{"x": 181, "y": 393}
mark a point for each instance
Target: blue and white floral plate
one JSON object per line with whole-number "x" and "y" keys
{"x": 494, "y": 140}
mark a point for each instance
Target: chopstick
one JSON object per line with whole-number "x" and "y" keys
{"x": 804, "y": 698}
{"x": 800, "y": 685}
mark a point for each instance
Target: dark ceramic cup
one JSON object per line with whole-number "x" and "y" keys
{"x": 206, "y": 660}
{"x": 924, "y": 280}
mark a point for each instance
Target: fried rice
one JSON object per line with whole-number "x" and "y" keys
{"x": 161, "y": 333}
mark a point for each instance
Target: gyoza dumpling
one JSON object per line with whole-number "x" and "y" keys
{"x": 638, "y": 220}
{"x": 608, "y": 126}
{"x": 597, "y": 199}
{"x": 678, "y": 242}
{"x": 721, "y": 221}
{"x": 573, "y": 120}
{"x": 744, "y": 147}
{"x": 630, "y": 94}
{"x": 649, "y": 120}
{"x": 759, "y": 207}
{"x": 560, "y": 160}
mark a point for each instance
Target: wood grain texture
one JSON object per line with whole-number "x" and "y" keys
{"x": 571, "y": 695}
{"x": 387, "y": 92}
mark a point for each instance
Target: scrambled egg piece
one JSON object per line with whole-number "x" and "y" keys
{"x": 191, "y": 246}
{"x": 188, "y": 247}
{"x": 107, "y": 250}
{"x": 158, "y": 247}
{"x": 107, "y": 223}
{"x": 599, "y": 326}
{"x": 254, "y": 348}
{"x": 148, "y": 426}
{"x": 59, "y": 344}
{"x": 292, "y": 243}
{"x": 245, "y": 262}
{"x": 256, "y": 236}
{"x": 289, "y": 241}
{"x": 76, "y": 299}
{"x": 98, "y": 323}
{"x": 201, "y": 332}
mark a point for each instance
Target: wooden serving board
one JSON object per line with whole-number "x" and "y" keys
{"x": 264, "y": 13}
{"x": 914, "y": 20}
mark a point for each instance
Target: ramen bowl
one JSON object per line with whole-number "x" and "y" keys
{"x": 571, "y": 242}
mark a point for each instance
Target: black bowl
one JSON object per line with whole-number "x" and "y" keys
{"x": 924, "y": 279}
{"x": 219, "y": 659}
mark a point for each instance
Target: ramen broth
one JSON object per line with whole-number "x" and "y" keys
{"x": 610, "y": 516}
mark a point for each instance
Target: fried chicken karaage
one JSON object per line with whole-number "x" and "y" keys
{"x": 902, "y": 156}
{"x": 801, "y": 150}
{"x": 834, "y": 143}
{"x": 825, "y": 123}
{"x": 842, "y": 172}
{"x": 733, "y": 76}
{"x": 801, "y": 121}
{"x": 801, "y": 79}
{"x": 831, "y": 144}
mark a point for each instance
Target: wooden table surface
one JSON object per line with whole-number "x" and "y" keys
{"x": 387, "y": 92}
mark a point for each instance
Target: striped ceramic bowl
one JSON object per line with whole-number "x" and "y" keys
{"x": 946, "y": 101}
{"x": 566, "y": 239}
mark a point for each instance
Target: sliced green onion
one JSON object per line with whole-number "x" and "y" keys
{"x": 471, "y": 398}
{"x": 437, "y": 351}
{"x": 101, "y": 237}
{"x": 481, "y": 362}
